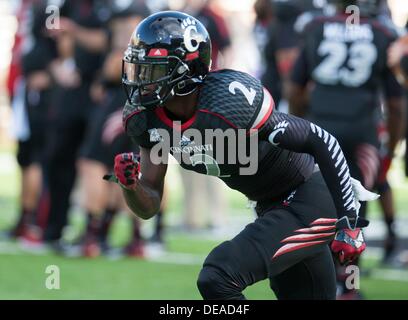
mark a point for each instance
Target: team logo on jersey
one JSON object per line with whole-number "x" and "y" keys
{"x": 184, "y": 141}
{"x": 289, "y": 199}
{"x": 279, "y": 128}
{"x": 155, "y": 135}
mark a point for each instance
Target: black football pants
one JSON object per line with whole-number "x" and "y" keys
{"x": 287, "y": 243}
{"x": 70, "y": 112}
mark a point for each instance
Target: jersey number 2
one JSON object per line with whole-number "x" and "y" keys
{"x": 249, "y": 94}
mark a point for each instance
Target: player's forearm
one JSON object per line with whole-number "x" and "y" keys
{"x": 333, "y": 165}
{"x": 142, "y": 200}
{"x": 395, "y": 123}
{"x": 299, "y": 135}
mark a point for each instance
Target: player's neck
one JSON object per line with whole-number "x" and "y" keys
{"x": 183, "y": 107}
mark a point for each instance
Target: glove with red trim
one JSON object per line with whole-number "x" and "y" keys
{"x": 349, "y": 242}
{"x": 126, "y": 170}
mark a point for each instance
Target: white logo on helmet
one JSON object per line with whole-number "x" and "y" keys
{"x": 189, "y": 25}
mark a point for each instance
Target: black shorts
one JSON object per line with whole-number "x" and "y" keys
{"x": 288, "y": 243}
{"x": 33, "y": 150}
{"x": 94, "y": 148}
{"x": 28, "y": 153}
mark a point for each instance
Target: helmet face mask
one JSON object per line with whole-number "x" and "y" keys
{"x": 150, "y": 82}
{"x": 164, "y": 59}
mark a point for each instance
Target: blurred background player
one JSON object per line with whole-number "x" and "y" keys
{"x": 398, "y": 61}
{"x": 263, "y": 18}
{"x": 281, "y": 46}
{"x": 384, "y": 189}
{"x": 30, "y": 88}
{"x": 346, "y": 69}
{"x": 105, "y": 136}
{"x": 81, "y": 42}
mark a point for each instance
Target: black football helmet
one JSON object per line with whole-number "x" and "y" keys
{"x": 169, "y": 54}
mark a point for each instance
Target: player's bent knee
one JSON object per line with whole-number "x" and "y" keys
{"x": 220, "y": 277}
{"x": 214, "y": 284}
{"x": 206, "y": 283}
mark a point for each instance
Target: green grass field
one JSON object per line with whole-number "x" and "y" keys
{"x": 23, "y": 276}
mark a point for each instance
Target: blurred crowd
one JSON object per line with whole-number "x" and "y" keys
{"x": 65, "y": 90}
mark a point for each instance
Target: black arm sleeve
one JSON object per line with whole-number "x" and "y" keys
{"x": 299, "y": 135}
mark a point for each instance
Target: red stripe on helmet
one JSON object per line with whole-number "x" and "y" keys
{"x": 158, "y": 52}
{"x": 192, "y": 56}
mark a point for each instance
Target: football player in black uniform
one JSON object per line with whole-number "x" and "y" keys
{"x": 346, "y": 63}
{"x": 173, "y": 98}
{"x": 37, "y": 52}
{"x": 398, "y": 61}
{"x": 281, "y": 41}
{"x": 102, "y": 201}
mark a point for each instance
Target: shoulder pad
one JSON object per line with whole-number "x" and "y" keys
{"x": 385, "y": 23}
{"x": 234, "y": 95}
{"x": 134, "y": 119}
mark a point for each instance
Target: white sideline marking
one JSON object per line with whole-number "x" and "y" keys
{"x": 389, "y": 274}
{"x": 196, "y": 259}
{"x": 9, "y": 248}
{"x": 177, "y": 258}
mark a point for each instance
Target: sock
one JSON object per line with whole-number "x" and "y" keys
{"x": 93, "y": 224}
{"x": 390, "y": 225}
{"x": 158, "y": 230}
{"x": 136, "y": 234}
{"x": 106, "y": 222}
{"x": 23, "y": 220}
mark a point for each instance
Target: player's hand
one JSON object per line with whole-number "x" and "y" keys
{"x": 349, "y": 242}
{"x": 126, "y": 170}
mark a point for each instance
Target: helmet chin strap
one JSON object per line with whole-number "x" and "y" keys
{"x": 185, "y": 83}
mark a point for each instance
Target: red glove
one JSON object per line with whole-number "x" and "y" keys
{"x": 126, "y": 169}
{"x": 349, "y": 242}
{"x": 384, "y": 167}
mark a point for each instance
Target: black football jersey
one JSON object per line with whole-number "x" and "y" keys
{"x": 281, "y": 149}
{"x": 228, "y": 100}
{"x": 348, "y": 67}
